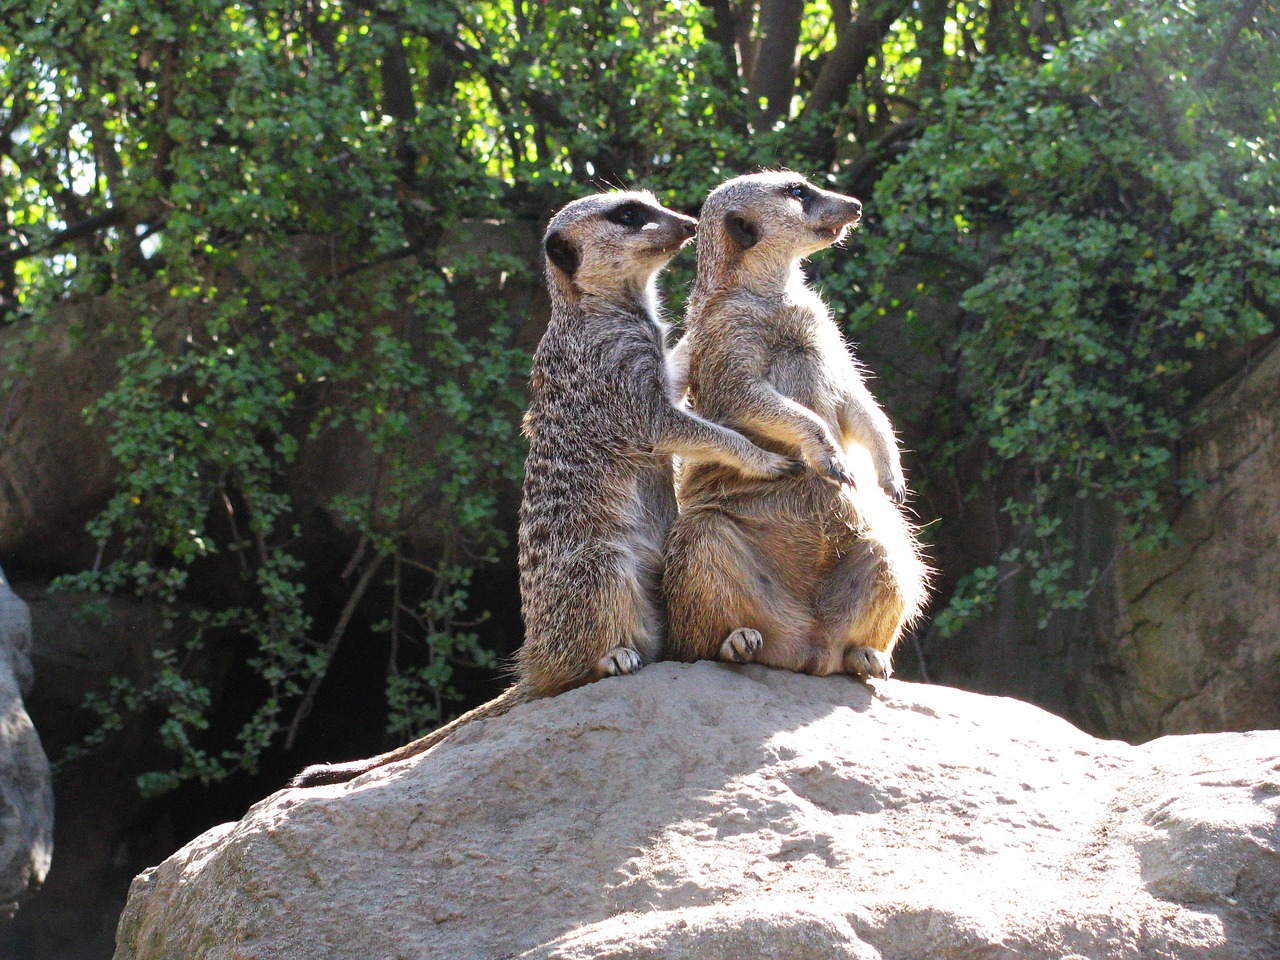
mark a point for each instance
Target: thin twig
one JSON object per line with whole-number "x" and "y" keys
{"x": 335, "y": 638}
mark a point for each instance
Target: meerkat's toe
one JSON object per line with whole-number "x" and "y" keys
{"x": 864, "y": 662}
{"x": 618, "y": 662}
{"x": 741, "y": 645}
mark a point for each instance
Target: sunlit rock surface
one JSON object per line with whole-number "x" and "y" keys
{"x": 708, "y": 811}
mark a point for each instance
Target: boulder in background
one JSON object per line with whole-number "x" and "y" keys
{"x": 26, "y": 791}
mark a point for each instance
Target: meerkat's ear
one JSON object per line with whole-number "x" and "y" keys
{"x": 741, "y": 231}
{"x": 562, "y": 253}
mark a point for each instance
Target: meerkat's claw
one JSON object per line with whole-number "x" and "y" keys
{"x": 619, "y": 662}
{"x": 865, "y": 662}
{"x": 838, "y": 472}
{"x": 741, "y": 645}
{"x": 896, "y": 489}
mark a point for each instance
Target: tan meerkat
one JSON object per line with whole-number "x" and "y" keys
{"x": 818, "y": 572}
{"x": 598, "y": 495}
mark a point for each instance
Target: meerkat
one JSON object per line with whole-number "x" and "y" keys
{"x": 818, "y": 572}
{"x": 603, "y": 427}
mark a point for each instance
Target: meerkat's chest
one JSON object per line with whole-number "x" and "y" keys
{"x": 808, "y": 363}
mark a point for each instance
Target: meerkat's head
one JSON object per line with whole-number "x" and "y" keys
{"x": 613, "y": 244}
{"x": 761, "y": 224}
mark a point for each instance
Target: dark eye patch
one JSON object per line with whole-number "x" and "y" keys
{"x": 629, "y": 215}
{"x": 801, "y": 192}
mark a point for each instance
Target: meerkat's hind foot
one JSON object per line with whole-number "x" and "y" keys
{"x": 865, "y": 662}
{"x": 619, "y": 662}
{"x": 741, "y": 646}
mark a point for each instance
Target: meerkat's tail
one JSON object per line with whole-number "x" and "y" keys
{"x": 324, "y": 773}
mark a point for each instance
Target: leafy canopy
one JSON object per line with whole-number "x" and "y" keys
{"x": 1071, "y": 202}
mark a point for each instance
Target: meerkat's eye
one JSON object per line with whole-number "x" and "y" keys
{"x": 627, "y": 215}
{"x": 800, "y": 192}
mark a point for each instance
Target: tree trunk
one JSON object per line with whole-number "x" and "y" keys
{"x": 774, "y": 79}
{"x": 724, "y": 31}
{"x": 930, "y": 43}
{"x": 397, "y": 85}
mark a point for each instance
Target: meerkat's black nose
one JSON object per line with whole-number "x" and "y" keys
{"x": 689, "y": 226}
{"x": 855, "y": 208}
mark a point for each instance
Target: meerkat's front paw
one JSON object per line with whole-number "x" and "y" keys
{"x": 794, "y": 468}
{"x": 864, "y": 662}
{"x": 772, "y": 466}
{"x": 619, "y": 662}
{"x": 741, "y": 646}
{"x": 896, "y": 488}
{"x": 834, "y": 467}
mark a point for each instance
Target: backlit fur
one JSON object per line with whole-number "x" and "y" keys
{"x": 818, "y": 572}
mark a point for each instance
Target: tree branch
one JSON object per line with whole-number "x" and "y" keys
{"x": 1213, "y": 73}
{"x": 335, "y": 638}
{"x": 111, "y": 217}
{"x": 541, "y": 105}
{"x": 875, "y": 152}
{"x": 858, "y": 42}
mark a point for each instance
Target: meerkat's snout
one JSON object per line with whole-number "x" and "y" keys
{"x": 838, "y": 214}
{"x": 683, "y": 227}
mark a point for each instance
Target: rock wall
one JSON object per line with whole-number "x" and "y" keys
{"x": 1180, "y": 640}
{"x": 26, "y": 792}
{"x": 1197, "y": 641}
{"x": 722, "y": 812}
{"x": 57, "y": 468}
{"x": 57, "y": 471}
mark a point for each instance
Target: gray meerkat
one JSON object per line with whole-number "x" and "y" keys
{"x": 603, "y": 427}
{"x": 818, "y": 572}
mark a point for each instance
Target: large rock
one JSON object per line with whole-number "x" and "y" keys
{"x": 26, "y": 791}
{"x": 57, "y": 466}
{"x": 720, "y": 812}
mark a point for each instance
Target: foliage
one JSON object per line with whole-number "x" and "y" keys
{"x": 1098, "y": 230}
{"x": 286, "y": 194}
{"x": 282, "y": 291}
